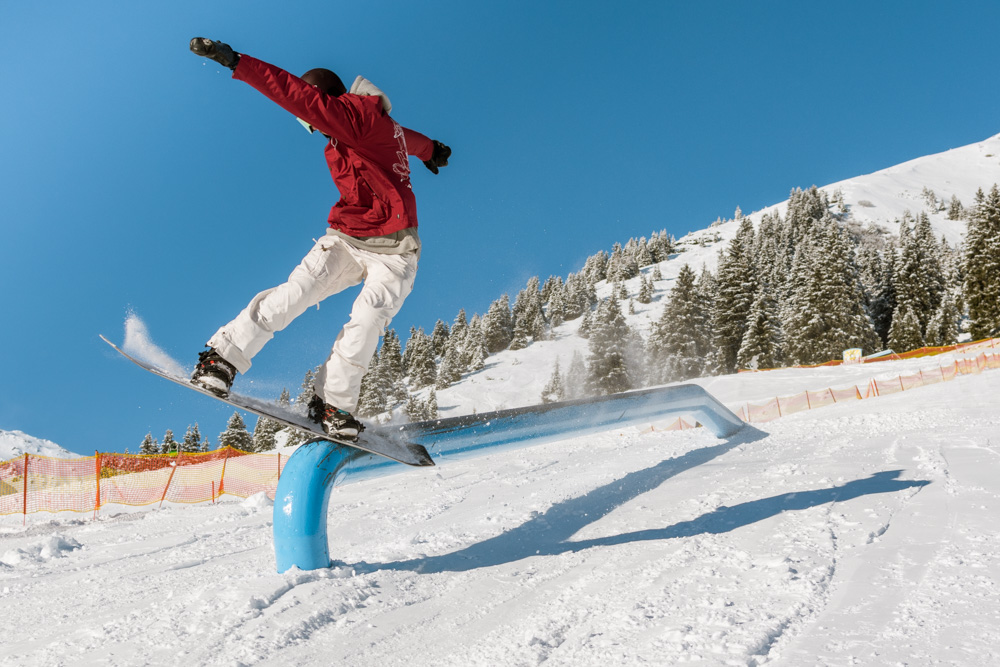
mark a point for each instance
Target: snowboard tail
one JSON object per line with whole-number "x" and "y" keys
{"x": 391, "y": 446}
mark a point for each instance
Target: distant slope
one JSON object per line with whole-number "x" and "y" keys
{"x": 16, "y": 443}
{"x": 513, "y": 379}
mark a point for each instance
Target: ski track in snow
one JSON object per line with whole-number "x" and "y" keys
{"x": 862, "y": 533}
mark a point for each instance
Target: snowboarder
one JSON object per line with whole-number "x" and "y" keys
{"x": 372, "y": 236}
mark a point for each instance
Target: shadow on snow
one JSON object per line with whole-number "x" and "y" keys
{"x": 549, "y": 533}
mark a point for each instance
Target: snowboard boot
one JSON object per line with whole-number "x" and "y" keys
{"x": 335, "y": 421}
{"x": 214, "y": 373}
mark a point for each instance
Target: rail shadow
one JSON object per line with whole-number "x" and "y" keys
{"x": 549, "y": 533}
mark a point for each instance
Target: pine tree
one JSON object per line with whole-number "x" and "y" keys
{"x": 919, "y": 277}
{"x": 823, "y": 313}
{"x": 192, "y": 439}
{"x": 236, "y": 435}
{"x": 419, "y": 359}
{"x": 391, "y": 369}
{"x": 981, "y": 288}
{"x": 955, "y": 210}
{"x": 761, "y": 346}
{"x": 264, "y": 435}
{"x": 439, "y": 338}
{"x": 372, "y": 398}
{"x": 645, "y": 291}
{"x": 553, "y": 390}
{"x": 474, "y": 352}
{"x": 736, "y": 286}
{"x": 169, "y": 444}
{"x": 608, "y": 372}
{"x": 943, "y": 327}
{"x": 450, "y": 370}
{"x": 307, "y": 390}
{"x": 498, "y": 326}
{"x": 904, "y": 335}
{"x": 680, "y": 339}
{"x": 149, "y": 446}
{"x": 432, "y": 405}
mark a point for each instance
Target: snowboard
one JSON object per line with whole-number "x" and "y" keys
{"x": 391, "y": 446}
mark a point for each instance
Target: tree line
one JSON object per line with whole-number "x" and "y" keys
{"x": 798, "y": 289}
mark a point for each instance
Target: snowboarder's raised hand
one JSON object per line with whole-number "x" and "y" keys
{"x": 217, "y": 51}
{"x": 439, "y": 158}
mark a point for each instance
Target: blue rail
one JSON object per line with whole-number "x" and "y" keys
{"x": 302, "y": 500}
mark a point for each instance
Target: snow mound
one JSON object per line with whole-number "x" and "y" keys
{"x": 53, "y": 546}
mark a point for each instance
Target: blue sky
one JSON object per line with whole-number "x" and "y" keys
{"x": 135, "y": 175}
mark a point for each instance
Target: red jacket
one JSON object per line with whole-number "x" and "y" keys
{"x": 367, "y": 153}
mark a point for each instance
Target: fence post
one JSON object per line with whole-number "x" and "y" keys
{"x": 808, "y": 402}
{"x": 777, "y": 401}
{"x": 97, "y": 478}
{"x": 169, "y": 479}
{"x": 901, "y": 387}
{"x": 222, "y": 479}
{"x": 25, "y": 497}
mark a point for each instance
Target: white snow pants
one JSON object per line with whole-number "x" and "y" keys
{"x": 331, "y": 266}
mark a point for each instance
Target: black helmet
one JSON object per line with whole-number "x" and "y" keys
{"x": 325, "y": 80}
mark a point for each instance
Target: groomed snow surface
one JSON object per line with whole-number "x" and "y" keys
{"x": 863, "y": 533}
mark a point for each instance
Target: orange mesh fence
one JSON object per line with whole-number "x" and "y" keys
{"x": 990, "y": 344}
{"x": 810, "y": 400}
{"x": 32, "y": 483}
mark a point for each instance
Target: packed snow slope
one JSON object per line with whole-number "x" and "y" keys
{"x": 865, "y": 533}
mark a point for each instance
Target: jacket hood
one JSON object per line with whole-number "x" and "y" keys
{"x": 363, "y": 86}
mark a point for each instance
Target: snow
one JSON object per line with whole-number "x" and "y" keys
{"x": 863, "y": 533}
{"x": 16, "y": 443}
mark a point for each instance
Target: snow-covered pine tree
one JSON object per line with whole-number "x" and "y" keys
{"x": 919, "y": 277}
{"x": 372, "y": 399}
{"x": 295, "y": 436}
{"x": 824, "y": 313}
{"x": 236, "y": 435}
{"x": 474, "y": 352}
{"x": 192, "y": 440}
{"x": 459, "y": 329}
{"x": 645, "y": 290}
{"x": 680, "y": 339}
{"x": 904, "y": 334}
{"x": 955, "y": 209}
{"x": 498, "y": 326}
{"x": 419, "y": 357}
{"x": 981, "y": 288}
{"x": 432, "y": 405}
{"x": 610, "y": 336}
{"x": 150, "y": 445}
{"x": 595, "y": 268}
{"x": 553, "y": 390}
{"x": 439, "y": 337}
{"x": 169, "y": 444}
{"x": 264, "y": 434}
{"x": 761, "y": 346}
{"x": 943, "y": 329}
{"x": 450, "y": 370}
{"x": 307, "y": 389}
{"x": 736, "y": 285}
{"x": 391, "y": 370}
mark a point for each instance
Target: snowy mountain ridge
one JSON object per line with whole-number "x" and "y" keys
{"x": 517, "y": 378}
{"x": 16, "y": 443}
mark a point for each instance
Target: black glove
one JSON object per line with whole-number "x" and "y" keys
{"x": 217, "y": 51}
{"x": 439, "y": 158}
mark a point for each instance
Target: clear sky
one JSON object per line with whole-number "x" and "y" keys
{"x": 135, "y": 175}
